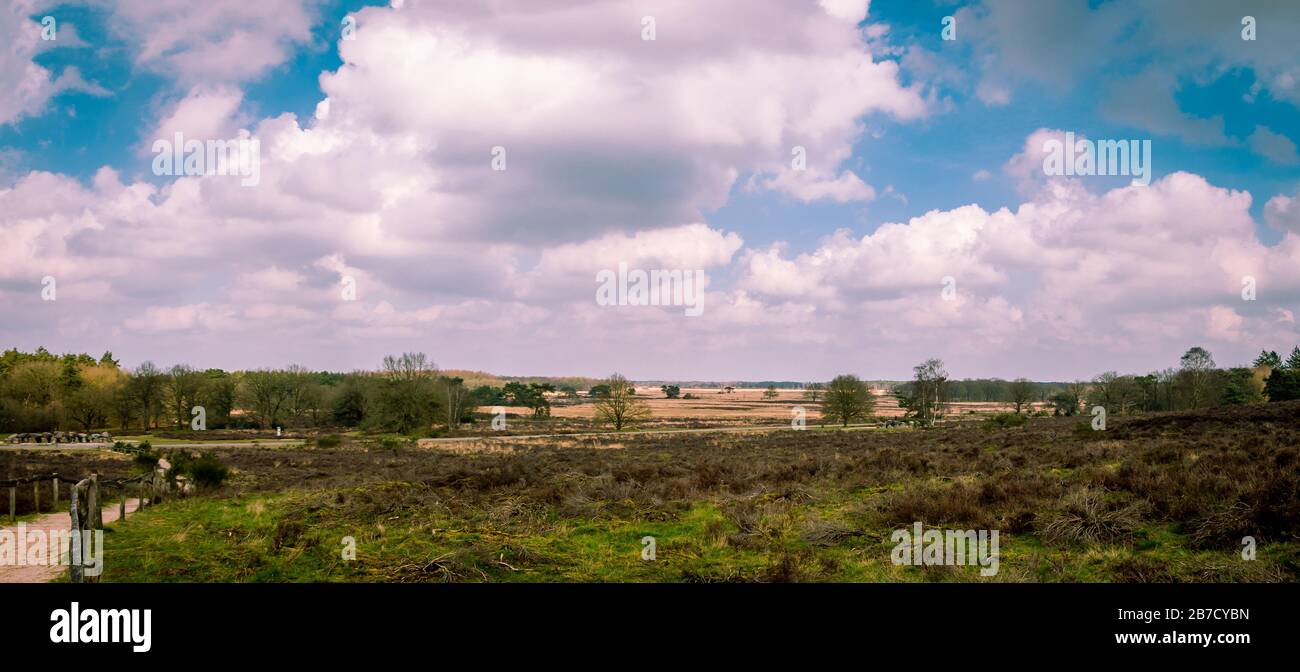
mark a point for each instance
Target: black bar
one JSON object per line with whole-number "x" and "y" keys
{"x": 942, "y": 623}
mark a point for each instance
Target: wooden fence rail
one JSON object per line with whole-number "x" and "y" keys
{"x": 84, "y": 505}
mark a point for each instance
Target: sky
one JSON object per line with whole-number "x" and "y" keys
{"x": 861, "y": 185}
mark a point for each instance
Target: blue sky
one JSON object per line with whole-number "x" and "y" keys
{"x": 936, "y": 132}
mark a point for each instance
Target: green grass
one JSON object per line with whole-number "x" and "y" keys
{"x": 767, "y": 506}
{"x": 297, "y": 536}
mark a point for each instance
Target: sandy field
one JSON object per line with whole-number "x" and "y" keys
{"x": 742, "y": 405}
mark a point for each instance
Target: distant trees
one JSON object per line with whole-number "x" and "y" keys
{"x": 1020, "y": 391}
{"x": 351, "y": 403}
{"x": 124, "y": 406}
{"x": 531, "y": 395}
{"x": 267, "y": 394}
{"x": 1117, "y": 394}
{"x": 220, "y": 395}
{"x": 618, "y": 405}
{"x": 43, "y": 392}
{"x": 1283, "y": 383}
{"x": 406, "y": 398}
{"x": 1242, "y": 386}
{"x": 1067, "y": 401}
{"x": 40, "y": 391}
{"x": 925, "y": 398}
{"x": 1196, "y": 377}
{"x": 92, "y": 402}
{"x": 36, "y": 383}
{"x": 847, "y": 399}
{"x": 146, "y": 388}
{"x": 183, "y": 386}
{"x": 1268, "y": 358}
{"x": 455, "y": 399}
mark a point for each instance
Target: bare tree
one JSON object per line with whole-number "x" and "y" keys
{"x": 1021, "y": 391}
{"x": 619, "y": 406}
{"x": 407, "y": 397}
{"x": 184, "y": 389}
{"x": 931, "y": 391}
{"x": 146, "y": 390}
{"x": 268, "y": 393}
{"x": 303, "y": 396}
{"x": 1103, "y": 388}
{"x": 1196, "y": 376}
{"x": 456, "y": 395}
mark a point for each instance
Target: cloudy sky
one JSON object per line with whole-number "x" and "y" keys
{"x": 921, "y": 223}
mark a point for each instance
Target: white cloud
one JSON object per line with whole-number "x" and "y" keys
{"x": 1273, "y": 146}
{"x": 26, "y": 86}
{"x": 215, "y": 41}
{"x": 851, "y": 10}
{"x": 1133, "y": 271}
{"x": 1146, "y": 101}
{"x": 205, "y": 113}
{"x": 1282, "y": 212}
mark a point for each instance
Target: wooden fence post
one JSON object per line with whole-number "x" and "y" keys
{"x": 96, "y": 520}
{"x": 56, "y": 491}
{"x": 76, "y": 571}
{"x": 94, "y": 513}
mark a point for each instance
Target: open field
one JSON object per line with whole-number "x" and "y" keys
{"x": 711, "y": 408}
{"x": 1163, "y": 497}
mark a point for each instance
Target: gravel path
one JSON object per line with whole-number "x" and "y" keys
{"x": 51, "y": 522}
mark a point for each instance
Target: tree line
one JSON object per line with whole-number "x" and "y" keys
{"x": 40, "y": 391}
{"x": 1195, "y": 384}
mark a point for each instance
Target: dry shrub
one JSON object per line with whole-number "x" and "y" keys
{"x": 287, "y": 533}
{"x": 459, "y": 565}
{"x": 1224, "y": 527}
{"x": 821, "y": 532}
{"x": 1138, "y": 569}
{"x": 792, "y": 566}
{"x": 958, "y": 504}
{"x": 1087, "y": 516}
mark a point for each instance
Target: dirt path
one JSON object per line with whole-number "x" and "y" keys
{"x": 51, "y": 522}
